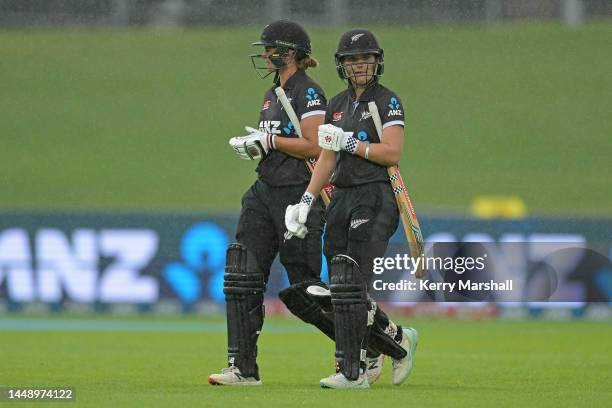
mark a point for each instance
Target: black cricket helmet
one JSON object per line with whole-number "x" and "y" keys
{"x": 358, "y": 42}
{"x": 283, "y": 36}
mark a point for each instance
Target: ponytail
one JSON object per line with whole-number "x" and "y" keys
{"x": 306, "y": 62}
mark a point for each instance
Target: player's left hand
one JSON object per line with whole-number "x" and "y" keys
{"x": 334, "y": 138}
{"x": 253, "y": 146}
{"x": 296, "y": 216}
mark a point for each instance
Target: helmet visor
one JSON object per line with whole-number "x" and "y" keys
{"x": 271, "y": 60}
{"x": 359, "y": 69}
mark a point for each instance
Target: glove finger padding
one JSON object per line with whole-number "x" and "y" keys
{"x": 301, "y": 232}
{"x": 291, "y": 218}
{"x": 292, "y": 224}
{"x": 303, "y": 211}
{"x": 248, "y": 147}
{"x": 238, "y": 146}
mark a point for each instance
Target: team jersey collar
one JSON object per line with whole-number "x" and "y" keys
{"x": 292, "y": 80}
{"x": 367, "y": 95}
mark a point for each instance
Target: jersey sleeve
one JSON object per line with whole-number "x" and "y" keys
{"x": 328, "y": 114}
{"x": 393, "y": 111}
{"x": 310, "y": 101}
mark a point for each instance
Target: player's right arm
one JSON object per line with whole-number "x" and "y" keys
{"x": 306, "y": 146}
{"x": 388, "y": 151}
{"x": 322, "y": 171}
{"x": 296, "y": 215}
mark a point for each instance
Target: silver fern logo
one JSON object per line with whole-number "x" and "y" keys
{"x": 356, "y": 37}
{"x": 358, "y": 221}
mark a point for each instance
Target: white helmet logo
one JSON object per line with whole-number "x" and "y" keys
{"x": 356, "y": 37}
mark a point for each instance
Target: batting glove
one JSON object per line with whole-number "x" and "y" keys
{"x": 334, "y": 138}
{"x": 296, "y": 216}
{"x": 253, "y": 146}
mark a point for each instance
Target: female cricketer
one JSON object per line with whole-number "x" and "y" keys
{"x": 282, "y": 178}
{"x": 362, "y": 215}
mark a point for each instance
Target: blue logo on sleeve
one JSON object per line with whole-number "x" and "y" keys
{"x": 362, "y": 135}
{"x": 395, "y": 109}
{"x": 312, "y": 94}
{"x": 394, "y": 103}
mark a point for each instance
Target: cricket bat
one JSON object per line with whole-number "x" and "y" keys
{"x": 282, "y": 97}
{"x": 414, "y": 236}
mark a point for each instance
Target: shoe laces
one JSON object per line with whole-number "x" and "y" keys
{"x": 230, "y": 369}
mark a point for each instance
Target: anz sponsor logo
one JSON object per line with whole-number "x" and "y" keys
{"x": 289, "y": 130}
{"x": 395, "y": 109}
{"x": 83, "y": 265}
{"x": 362, "y": 135}
{"x": 90, "y": 265}
{"x": 313, "y": 98}
{"x": 270, "y": 126}
{"x": 201, "y": 266}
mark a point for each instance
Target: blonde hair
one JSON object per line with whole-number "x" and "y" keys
{"x": 307, "y": 62}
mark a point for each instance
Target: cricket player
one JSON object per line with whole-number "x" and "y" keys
{"x": 282, "y": 178}
{"x": 363, "y": 214}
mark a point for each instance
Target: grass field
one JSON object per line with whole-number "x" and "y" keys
{"x": 140, "y": 119}
{"x": 165, "y": 362}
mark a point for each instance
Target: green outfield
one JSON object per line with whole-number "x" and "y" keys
{"x": 140, "y": 119}
{"x": 165, "y": 362}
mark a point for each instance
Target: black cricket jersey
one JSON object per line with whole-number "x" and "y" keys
{"x": 307, "y": 98}
{"x": 354, "y": 116}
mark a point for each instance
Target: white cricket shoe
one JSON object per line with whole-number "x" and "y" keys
{"x": 339, "y": 381}
{"x": 403, "y": 367}
{"x": 231, "y": 376}
{"x": 374, "y": 368}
